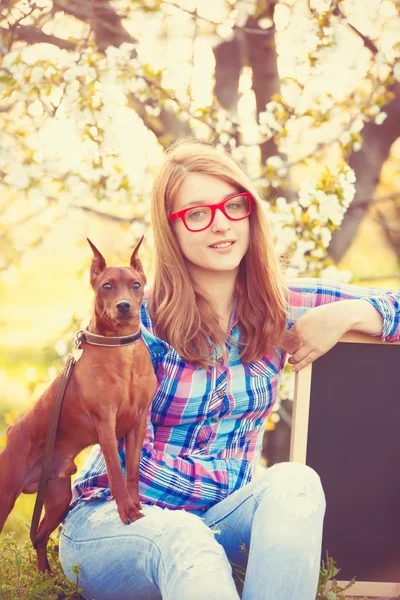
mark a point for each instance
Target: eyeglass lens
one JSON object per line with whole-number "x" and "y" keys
{"x": 200, "y": 217}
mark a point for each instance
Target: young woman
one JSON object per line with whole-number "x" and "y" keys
{"x": 214, "y": 324}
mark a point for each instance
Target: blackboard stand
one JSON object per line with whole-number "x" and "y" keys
{"x": 346, "y": 426}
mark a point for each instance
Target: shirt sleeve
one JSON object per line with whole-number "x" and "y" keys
{"x": 307, "y": 293}
{"x": 188, "y": 480}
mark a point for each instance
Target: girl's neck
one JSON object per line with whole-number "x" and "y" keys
{"x": 218, "y": 287}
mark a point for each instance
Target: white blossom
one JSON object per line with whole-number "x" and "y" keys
{"x": 331, "y": 209}
{"x": 396, "y": 70}
{"x": 347, "y": 175}
{"x": 17, "y": 176}
{"x": 267, "y": 119}
{"x": 281, "y": 204}
{"x": 320, "y": 6}
{"x": 319, "y": 253}
{"x": 380, "y": 118}
{"x": 307, "y": 192}
{"x": 52, "y": 372}
{"x": 326, "y": 236}
{"x": 357, "y": 125}
{"x": 37, "y": 74}
{"x": 373, "y": 110}
{"x": 114, "y": 181}
{"x": 334, "y": 274}
{"x": 345, "y": 137}
{"x": 349, "y": 191}
{"x": 36, "y": 198}
{"x": 284, "y": 238}
{"x": 31, "y": 374}
{"x": 61, "y": 348}
{"x": 137, "y": 229}
{"x": 313, "y": 212}
{"x": 274, "y": 161}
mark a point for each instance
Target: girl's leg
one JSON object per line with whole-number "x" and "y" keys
{"x": 278, "y": 517}
{"x": 167, "y": 554}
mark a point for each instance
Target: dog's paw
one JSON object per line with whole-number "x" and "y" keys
{"x": 130, "y": 513}
{"x": 137, "y": 516}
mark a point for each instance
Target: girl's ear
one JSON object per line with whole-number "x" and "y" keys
{"x": 98, "y": 263}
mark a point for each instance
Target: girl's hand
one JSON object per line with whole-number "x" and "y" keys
{"x": 319, "y": 329}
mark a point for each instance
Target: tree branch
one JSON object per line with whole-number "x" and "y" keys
{"x": 97, "y": 213}
{"x": 367, "y": 165}
{"x": 33, "y": 35}
{"x": 373, "y": 201}
{"x": 194, "y": 14}
{"x": 106, "y": 22}
{"x": 367, "y": 42}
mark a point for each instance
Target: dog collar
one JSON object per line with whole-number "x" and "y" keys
{"x": 84, "y": 335}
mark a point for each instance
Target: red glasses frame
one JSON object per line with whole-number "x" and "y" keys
{"x": 180, "y": 214}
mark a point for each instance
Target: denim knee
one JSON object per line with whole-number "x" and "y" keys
{"x": 293, "y": 487}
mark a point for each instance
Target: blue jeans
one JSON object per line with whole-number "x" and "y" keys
{"x": 181, "y": 555}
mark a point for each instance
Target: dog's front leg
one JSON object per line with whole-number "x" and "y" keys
{"x": 109, "y": 445}
{"x": 134, "y": 441}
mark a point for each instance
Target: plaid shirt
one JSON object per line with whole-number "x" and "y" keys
{"x": 205, "y": 428}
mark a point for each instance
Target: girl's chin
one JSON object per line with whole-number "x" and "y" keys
{"x": 217, "y": 266}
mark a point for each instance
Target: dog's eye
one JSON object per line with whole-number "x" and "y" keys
{"x": 107, "y": 286}
{"x": 136, "y": 285}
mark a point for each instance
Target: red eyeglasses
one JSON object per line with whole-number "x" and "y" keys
{"x": 198, "y": 218}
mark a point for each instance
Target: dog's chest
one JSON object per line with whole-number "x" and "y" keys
{"x": 128, "y": 407}
{"x": 125, "y": 420}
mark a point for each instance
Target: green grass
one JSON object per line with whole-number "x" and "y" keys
{"x": 19, "y": 577}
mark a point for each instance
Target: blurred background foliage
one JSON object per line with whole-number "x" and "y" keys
{"x": 304, "y": 93}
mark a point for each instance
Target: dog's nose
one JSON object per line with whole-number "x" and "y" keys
{"x": 123, "y": 306}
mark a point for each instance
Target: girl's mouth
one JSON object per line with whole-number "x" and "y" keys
{"x": 222, "y": 246}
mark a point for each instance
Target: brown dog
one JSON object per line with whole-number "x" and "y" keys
{"x": 108, "y": 397}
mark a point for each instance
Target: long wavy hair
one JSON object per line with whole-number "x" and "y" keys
{"x": 181, "y": 314}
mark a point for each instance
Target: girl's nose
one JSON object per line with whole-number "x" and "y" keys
{"x": 221, "y": 222}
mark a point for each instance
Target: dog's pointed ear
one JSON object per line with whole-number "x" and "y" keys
{"x": 98, "y": 263}
{"x": 135, "y": 262}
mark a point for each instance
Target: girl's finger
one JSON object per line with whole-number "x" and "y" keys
{"x": 305, "y": 361}
{"x": 300, "y": 354}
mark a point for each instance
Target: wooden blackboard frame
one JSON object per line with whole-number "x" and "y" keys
{"x": 298, "y": 451}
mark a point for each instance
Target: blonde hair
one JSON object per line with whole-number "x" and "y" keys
{"x": 181, "y": 314}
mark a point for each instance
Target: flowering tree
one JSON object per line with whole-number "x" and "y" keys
{"x": 72, "y": 66}
{"x": 48, "y": 78}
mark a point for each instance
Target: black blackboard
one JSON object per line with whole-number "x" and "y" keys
{"x": 353, "y": 442}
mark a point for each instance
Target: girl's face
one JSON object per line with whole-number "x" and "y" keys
{"x": 199, "y": 247}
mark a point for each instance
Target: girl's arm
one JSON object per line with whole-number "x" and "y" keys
{"x": 320, "y": 312}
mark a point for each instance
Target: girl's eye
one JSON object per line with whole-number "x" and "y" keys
{"x": 107, "y": 286}
{"x": 136, "y": 285}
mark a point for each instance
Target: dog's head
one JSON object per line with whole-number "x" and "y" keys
{"x": 118, "y": 290}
